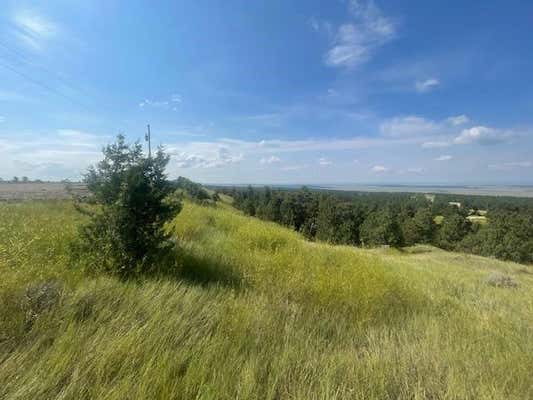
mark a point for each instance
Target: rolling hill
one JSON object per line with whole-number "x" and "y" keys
{"x": 254, "y": 311}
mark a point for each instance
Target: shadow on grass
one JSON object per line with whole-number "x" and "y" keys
{"x": 417, "y": 249}
{"x": 204, "y": 271}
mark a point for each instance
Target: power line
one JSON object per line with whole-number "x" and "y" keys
{"x": 38, "y": 83}
{"x": 30, "y": 62}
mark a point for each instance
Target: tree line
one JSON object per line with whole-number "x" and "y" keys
{"x": 397, "y": 219}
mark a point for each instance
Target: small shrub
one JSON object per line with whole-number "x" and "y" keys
{"x": 39, "y": 298}
{"x": 501, "y": 281}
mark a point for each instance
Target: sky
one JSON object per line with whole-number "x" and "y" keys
{"x": 272, "y": 92}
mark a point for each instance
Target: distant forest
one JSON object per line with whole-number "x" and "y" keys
{"x": 500, "y": 227}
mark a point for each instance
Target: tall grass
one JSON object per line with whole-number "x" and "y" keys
{"x": 256, "y": 312}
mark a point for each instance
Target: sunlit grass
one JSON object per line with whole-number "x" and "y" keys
{"x": 256, "y": 312}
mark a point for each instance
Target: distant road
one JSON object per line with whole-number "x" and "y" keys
{"x": 39, "y": 191}
{"x": 513, "y": 191}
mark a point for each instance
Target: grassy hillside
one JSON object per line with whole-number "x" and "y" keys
{"x": 256, "y": 312}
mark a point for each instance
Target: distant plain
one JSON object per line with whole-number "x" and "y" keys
{"x": 480, "y": 190}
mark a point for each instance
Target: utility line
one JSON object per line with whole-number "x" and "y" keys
{"x": 38, "y": 83}
{"x": 22, "y": 57}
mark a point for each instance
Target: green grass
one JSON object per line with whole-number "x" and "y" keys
{"x": 256, "y": 312}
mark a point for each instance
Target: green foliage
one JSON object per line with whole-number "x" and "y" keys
{"x": 420, "y": 228}
{"x": 508, "y": 236}
{"x": 337, "y": 223}
{"x": 125, "y": 235}
{"x": 395, "y": 219}
{"x": 453, "y": 229}
{"x": 192, "y": 190}
{"x": 381, "y": 228}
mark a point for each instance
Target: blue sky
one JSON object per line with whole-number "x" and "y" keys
{"x": 275, "y": 91}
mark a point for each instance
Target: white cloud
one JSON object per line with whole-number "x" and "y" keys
{"x": 294, "y": 167}
{"x": 164, "y": 104}
{"x": 379, "y": 168}
{"x": 320, "y": 26}
{"x": 458, "y": 120}
{"x": 511, "y": 165}
{"x": 481, "y": 135}
{"x": 426, "y": 85}
{"x": 215, "y": 158}
{"x": 355, "y": 43}
{"x": 291, "y": 146}
{"x": 431, "y": 145}
{"x": 408, "y": 127}
{"x": 445, "y": 157}
{"x": 79, "y": 136}
{"x": 324, "y": 162}
{"x": 33, "y": 29}
{"x": 65, "y": 153}
{"x": 153, "y": 103}
{"x": 270, "y": 160}
{"x": 443, "y": 133}
{"x": 414, "y": 170}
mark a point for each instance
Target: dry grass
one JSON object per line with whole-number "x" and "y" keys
{"x": 40, "y": 191}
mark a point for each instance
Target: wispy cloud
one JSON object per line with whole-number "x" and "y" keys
{"x": 416, "y": 170}
{"x": 80, "y": 137}
{"x": 356, "y": 42}
{"x": 176, "y": 98}
{"x": 33, "y": 30}
{"x": 211, "y": 158}
{"x": 426, "y": 85}
{"x": 270, "y": 160}
{"x": 50, "y": 155}
{"x": 294, "y": 167}
{"x": 379, "y": 168}
{"x": 511, "y": 165}
{"x": 274, "y": 119}
{"x": 437, "y": 144}
{"x": 321, "y": 26}
{"x": 166, "y": 104}
{"x": 458, "y": 120}
{"x": 2, "y": 119}
{"x": 409, "y": 126}
{"x": 445, "y": 157}
{"x": 324, "y": 162}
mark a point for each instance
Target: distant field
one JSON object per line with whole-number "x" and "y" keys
{"x": 513, "y": 191}
{"x": 39, "y": 191}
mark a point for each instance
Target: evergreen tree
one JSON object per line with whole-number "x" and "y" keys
{"x": 381, "y": 228}
{"x": 453, "y": 229}
{"x": 420, "y": 228}
{"x": 124, "y": 235}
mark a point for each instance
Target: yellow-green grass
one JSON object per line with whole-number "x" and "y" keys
{"x": 256, "y": 312}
